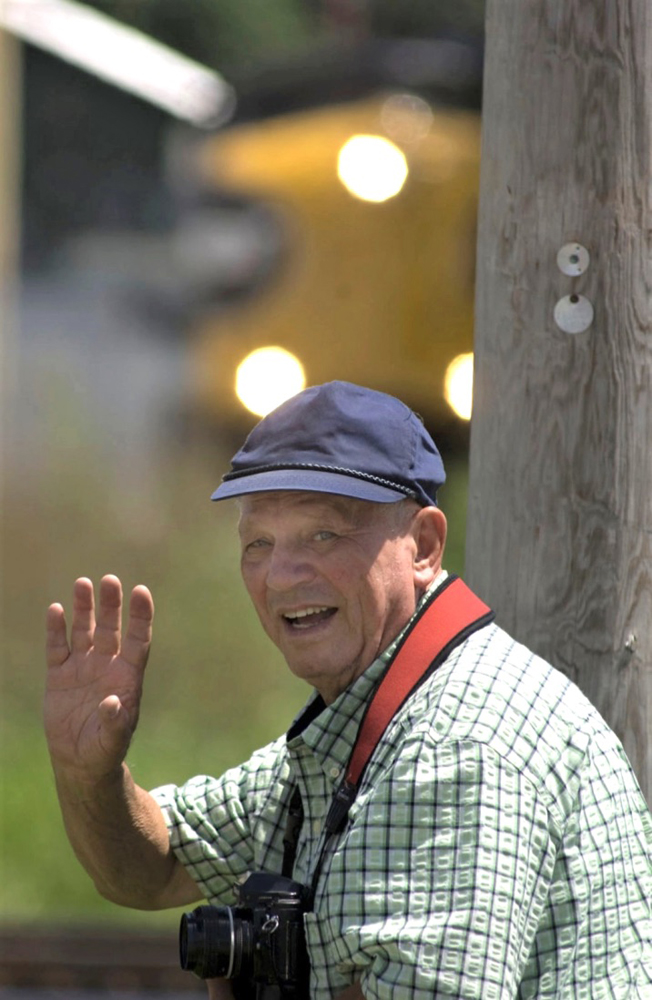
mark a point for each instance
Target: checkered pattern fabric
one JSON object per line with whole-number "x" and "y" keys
{"x": 499, "y": 845}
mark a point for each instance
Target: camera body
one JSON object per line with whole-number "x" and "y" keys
{"x": 259, "y": 943}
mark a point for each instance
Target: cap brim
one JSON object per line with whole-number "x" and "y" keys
{"x": 310, "y": 481}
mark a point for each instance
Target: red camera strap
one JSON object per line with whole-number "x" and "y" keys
{"x": 446, "y": 621}
{"x": 452, "y": 615}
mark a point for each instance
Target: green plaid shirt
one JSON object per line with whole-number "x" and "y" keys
{"x": 499, "y": 845}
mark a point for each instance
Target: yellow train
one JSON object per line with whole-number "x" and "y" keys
{"x": 369, "y": 286}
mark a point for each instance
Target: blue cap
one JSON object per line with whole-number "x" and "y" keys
{"x": 339, "y": 438}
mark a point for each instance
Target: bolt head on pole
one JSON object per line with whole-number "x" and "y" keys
{"x": 573, "y": 259}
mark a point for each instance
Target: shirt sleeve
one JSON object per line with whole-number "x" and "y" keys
{"x": 223, "y": 828}
{"x": 442, "y": 876}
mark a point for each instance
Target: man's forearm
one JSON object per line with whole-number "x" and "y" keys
{"x": 118, "y": 833}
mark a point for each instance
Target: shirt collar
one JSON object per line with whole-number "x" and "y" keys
{"x": 330, "y": 730}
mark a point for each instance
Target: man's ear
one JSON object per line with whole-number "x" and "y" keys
{"x": 429, "y": 529}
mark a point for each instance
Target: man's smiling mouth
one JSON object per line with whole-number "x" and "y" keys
{"x": 308, "y": 617}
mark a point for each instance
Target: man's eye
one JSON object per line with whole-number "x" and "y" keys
{"x": 325, "y": 536}
{"x": 258, "y": 543}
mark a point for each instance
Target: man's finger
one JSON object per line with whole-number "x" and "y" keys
{"x": 106, "y": 637}
{"x": 57, "y": 650}
{"x": 135, "y": 646}
{"x": 83, "y": 616}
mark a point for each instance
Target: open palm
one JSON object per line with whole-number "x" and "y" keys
{"x": 95, "y": 678}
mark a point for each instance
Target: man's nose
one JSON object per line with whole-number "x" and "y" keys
{"x": 288, "y": 567}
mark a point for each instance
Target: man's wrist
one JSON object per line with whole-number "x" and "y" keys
{"x": 80, "y": 785}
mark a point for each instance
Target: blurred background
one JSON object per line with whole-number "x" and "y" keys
{"x": 175, "y": 259}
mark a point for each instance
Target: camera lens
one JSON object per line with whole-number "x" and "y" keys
{"x": 214, "y": 942}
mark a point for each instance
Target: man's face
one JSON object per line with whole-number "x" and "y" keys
{"x": 333, "y": 579}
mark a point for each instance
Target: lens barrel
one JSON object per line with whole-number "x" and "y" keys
{"x": 214, "y": 942}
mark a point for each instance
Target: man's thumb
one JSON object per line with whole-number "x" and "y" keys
{"x": 110, "y": 708}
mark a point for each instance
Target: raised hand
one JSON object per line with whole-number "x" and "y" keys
{"x": 95, "y": 678}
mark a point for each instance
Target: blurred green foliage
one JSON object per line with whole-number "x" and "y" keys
{"x": 215, "y": 689}
{"x": 220, "y": 33}
{"x": 239, "y": 34}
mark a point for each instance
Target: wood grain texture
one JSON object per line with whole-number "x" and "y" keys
{"x": 560, "y": 510}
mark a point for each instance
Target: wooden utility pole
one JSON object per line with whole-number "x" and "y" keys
{"x": 560, "y": 507}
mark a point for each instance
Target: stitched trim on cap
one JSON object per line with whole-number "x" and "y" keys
{"x": 315, "y": 467}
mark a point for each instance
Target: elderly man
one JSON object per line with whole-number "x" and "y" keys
{"x": 484, "y": 837}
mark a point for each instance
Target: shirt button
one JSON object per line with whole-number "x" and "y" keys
{"x": 334, "y": 772}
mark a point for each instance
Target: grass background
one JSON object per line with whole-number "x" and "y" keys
{"x": 215, "y": 688}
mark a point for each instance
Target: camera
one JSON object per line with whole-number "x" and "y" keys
{"x": 259, "y": 943}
